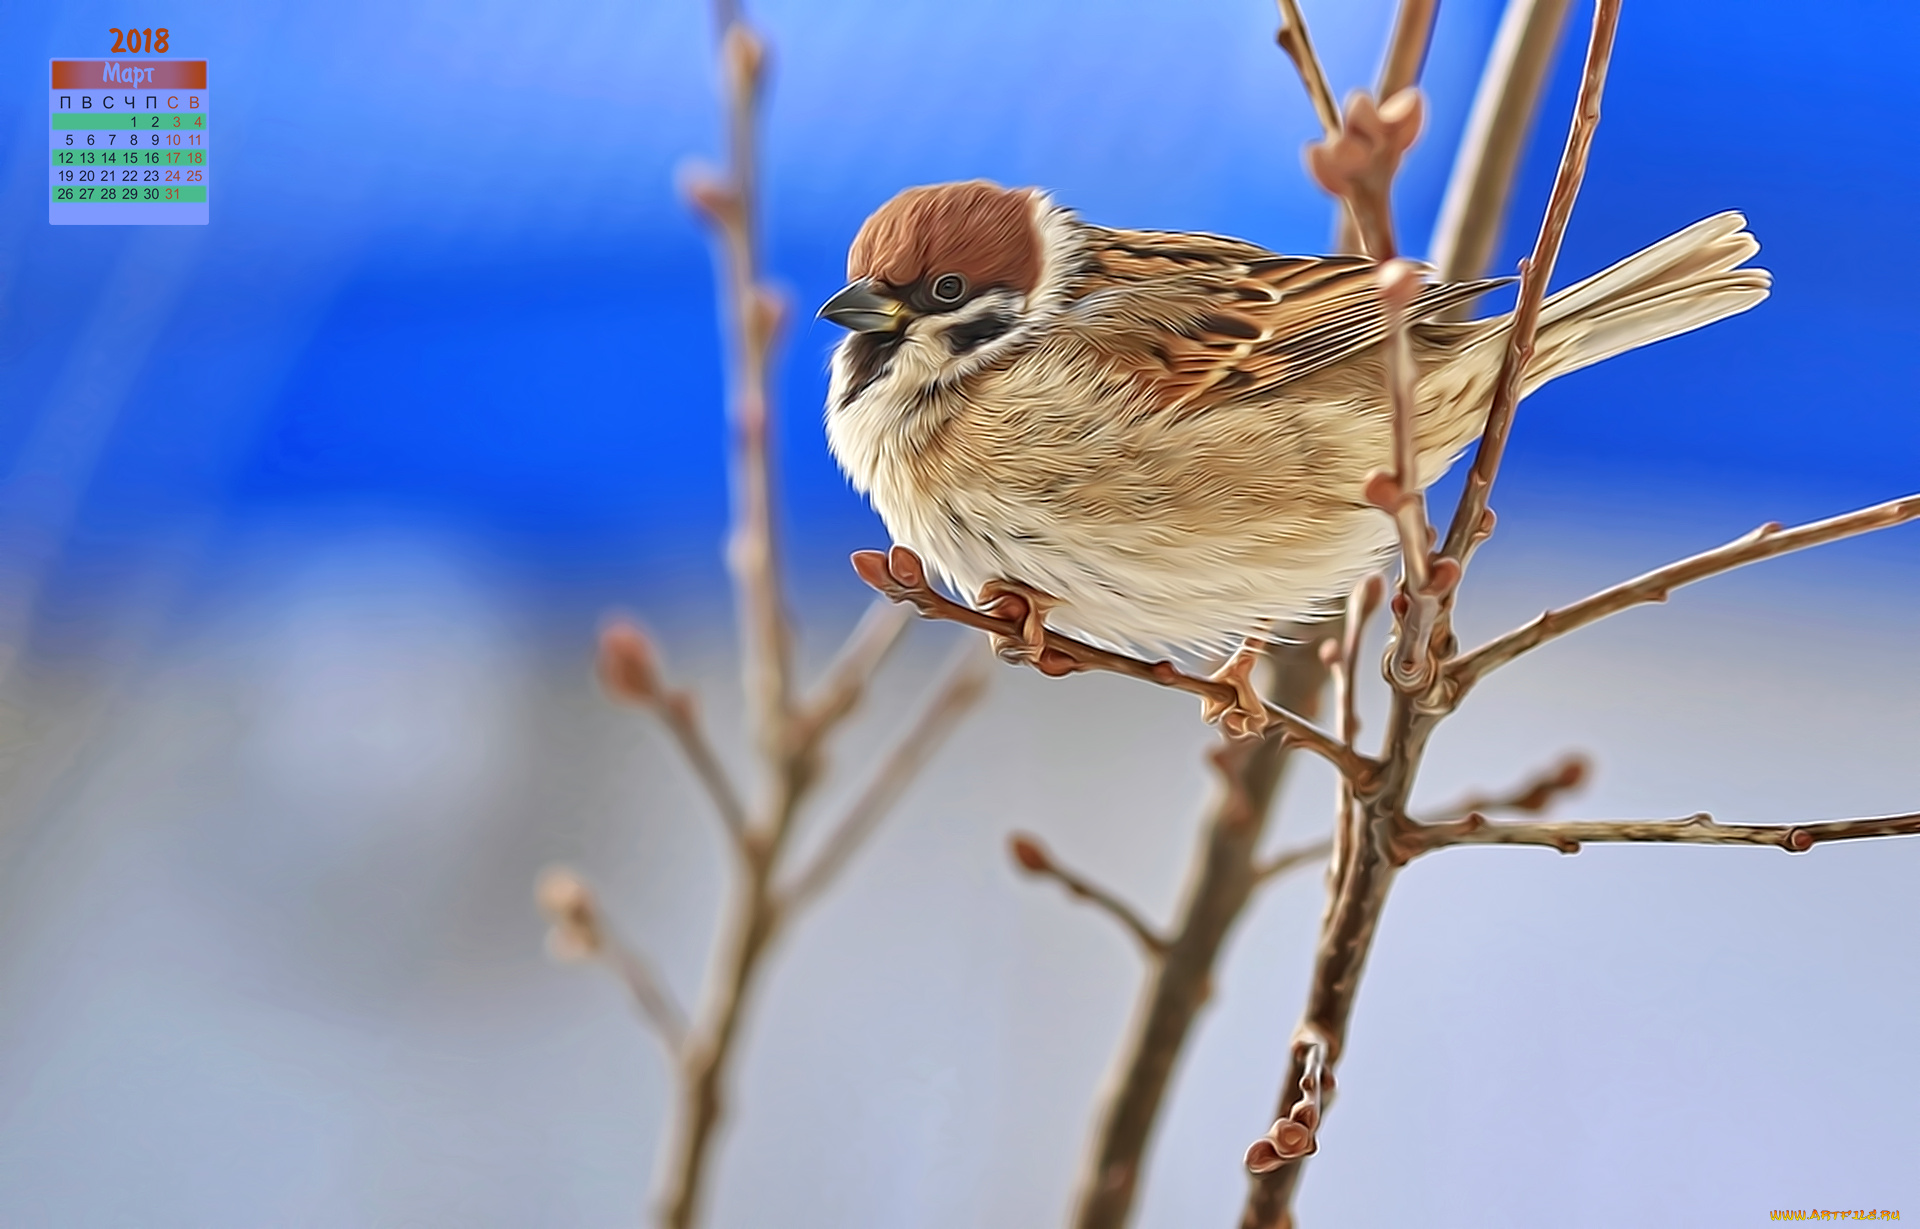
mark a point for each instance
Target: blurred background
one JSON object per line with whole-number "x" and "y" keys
{"x": 309, "y": 516}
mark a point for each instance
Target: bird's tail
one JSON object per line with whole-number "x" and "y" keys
{"x": 1679, "y": 284}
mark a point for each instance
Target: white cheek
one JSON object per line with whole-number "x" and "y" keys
{"x": 871, "y": 434}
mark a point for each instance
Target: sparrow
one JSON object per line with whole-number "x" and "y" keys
{"x": 1157, "y": 441}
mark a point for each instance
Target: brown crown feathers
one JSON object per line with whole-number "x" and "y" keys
{"x": 977, "y": 229}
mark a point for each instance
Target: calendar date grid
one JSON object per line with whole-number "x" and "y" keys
{"x": 129, "y": 142}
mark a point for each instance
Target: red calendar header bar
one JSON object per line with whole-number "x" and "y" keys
{"x": 117, "y": 74}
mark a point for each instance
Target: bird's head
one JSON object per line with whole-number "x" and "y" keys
{"x": 951, "y": 266}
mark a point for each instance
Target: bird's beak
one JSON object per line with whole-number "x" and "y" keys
{"x": 864, "y": 309}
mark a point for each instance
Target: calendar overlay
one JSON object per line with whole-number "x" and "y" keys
{"x": 128, "y": 140}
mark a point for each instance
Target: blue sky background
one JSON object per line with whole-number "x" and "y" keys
{"x": 449, "y": 289}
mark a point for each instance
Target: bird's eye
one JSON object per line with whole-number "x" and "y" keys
{"x": 949, "y": 287}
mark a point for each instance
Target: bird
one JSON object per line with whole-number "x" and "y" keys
{"x": 1157, "y": 441}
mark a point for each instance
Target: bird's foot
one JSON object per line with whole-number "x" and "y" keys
{"x": 1013, "y": 601}
{"x": 1246, "y": 715}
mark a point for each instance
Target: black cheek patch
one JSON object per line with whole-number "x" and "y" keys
{"x": 972, "y": 334}
{"x": 868, "y": 357}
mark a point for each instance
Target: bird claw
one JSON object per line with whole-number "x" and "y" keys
{"x": 1015, "y": 602}
{"x": 1246, "y": 716}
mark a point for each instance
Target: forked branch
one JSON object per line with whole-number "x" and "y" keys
{"x": 1399, "y": 70}
{"x": 789, "y": 732}
{"x": 578, "y": 932}
{"x": 960, "y": 684}
{"x": 630, "y": 671}
{"x": 1361, "y": 151}
{"x": 845, "y": 682}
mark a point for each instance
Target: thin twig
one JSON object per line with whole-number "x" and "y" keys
{"x": 901, "y": 577}
{"x": 1765, "y": 542}
{"x": 1475, "y": 205}
{"x": 959, "y": 686}
{"x": 1342, "y": 656}
{"x": 1531, "y": 797}
{"x": 1033, "y": 857}
{"x": 642, "y": 981}
{"x": 1568, "y": 835}
{"x": 629, "y": 666}
{"x": 1287, "y": 859}
{"x": 1294, "y": 40}
{"x": 580, "y": 932}
{"x": 1342, "y": 659}
{"x": 1424, "y": 581}
{"x": 1407, "y": 46}
{"x": 1470, "y": 525}
{"x": 754, "y": 313}
{"x": 844, "y": 684}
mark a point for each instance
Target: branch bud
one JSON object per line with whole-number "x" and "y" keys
{"x": 710, "y": 195}
{"x": 629, "y": 667}
{"x": 1400, "y": 284}
{"x": 744, "y": 55}
{"x": 1029, "y": 853}
{"x": 906, "y": 567}
{"x": 576, "y": 933}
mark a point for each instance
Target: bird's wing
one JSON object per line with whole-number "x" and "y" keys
{"x": 1199, "y": 319}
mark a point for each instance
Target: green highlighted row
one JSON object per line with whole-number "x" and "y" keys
{"x": 130, "y": 157}
{"x": 145, "y": 121}
{"x": 177, "y": 194}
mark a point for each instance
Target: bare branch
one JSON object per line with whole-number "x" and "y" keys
{"x": 1032, "y": 857}
{"x": 959, "y": 686}
{"x": 754, "y": 313}
{"x": 1342, "y": 660}
{"x": 1765, "y": 542}
{"x": 1568, "y": 835}
{"x": 1470, "y": 525}
{"x": 1287, "y": 859}
{"x": 649, "y": 993}
{"x": 1342, "y": 657}
{"x": 1475, "y": 205}
{"x": 1359, "y": 154}
{"x": 1293, "y": 39}
{"x": 630, "y": 670}
{"x": 1531, "y": 797}
{"x": 845, "y": 682}
{"x": 578, "y": 932}
{"x": 901, "y": 577}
